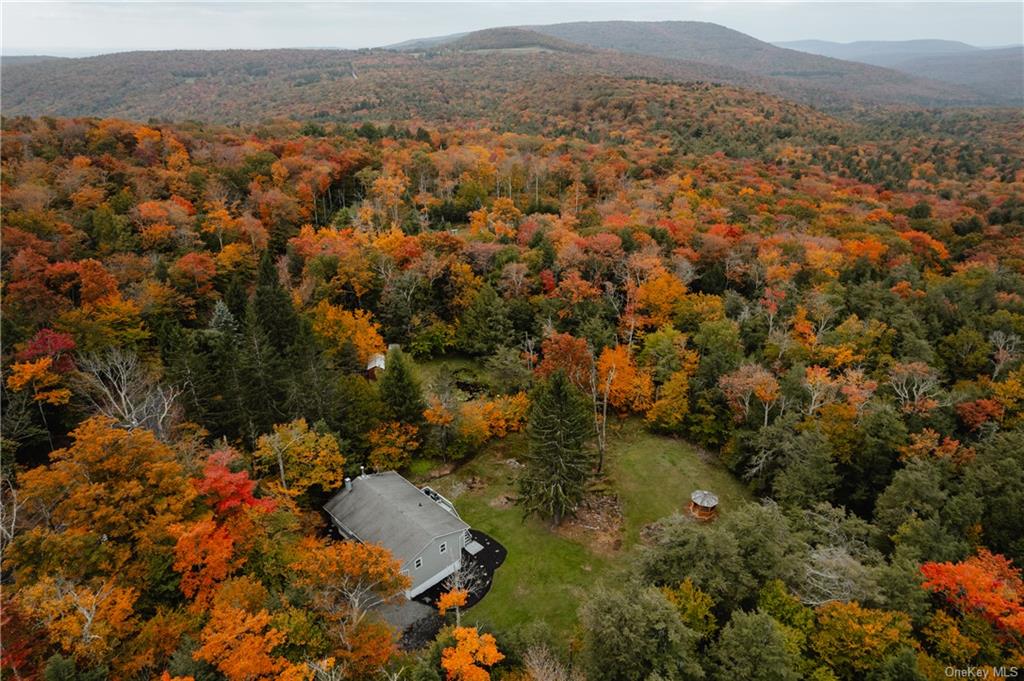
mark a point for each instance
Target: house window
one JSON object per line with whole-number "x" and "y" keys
{"x": 418, "y": 564}
{"x": 444, "y": 547}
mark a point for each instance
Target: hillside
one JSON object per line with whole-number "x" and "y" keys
{"x": 791, "y": 70}
{"x": 995, "y": 74}
{"x": 590, "y": 286}
{"x": 812, "y": 79}
{"x": 512, "y": 39}
{"x": 188, "y": 309}
{"x": 466, "y": 79}
{"x": 240, "y": 85}
{"x": 886, "y": 53}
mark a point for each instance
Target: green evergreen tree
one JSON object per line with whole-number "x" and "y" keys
{"x": 311, "y": 382}
{"x": 485, "y": 324}
{"x": 236, "y": 297}
{"x": 557, "y": 461}
{"x": 225, "y": 406}
{"x": 275, "y": 314}
{"x": 508, "y": 372}
{"x": 60, "y": 668}
{"x": 262, "y": 377}
{"x": 356, "y": 411}
{"x": 400, "y": 391}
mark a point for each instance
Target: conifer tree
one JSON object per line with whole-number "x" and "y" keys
{"x": 275, "y": 313}
{"x": 400, "y": 391}
{"x": 261, "y": 379}
{"x": 557, "y": 461}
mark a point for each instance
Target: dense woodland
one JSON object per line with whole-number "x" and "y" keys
{"x": 831, "y": 309}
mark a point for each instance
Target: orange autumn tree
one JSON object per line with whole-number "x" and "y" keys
{"x": 340, "y": 326}
{"x": 392, "y": 445}
{"x": 116, "y": 521}
{"x": 240, "y": 644}
{"x": 344, "y": 581}
{"x": 472, "y": 652}
{"x": 454, "y": 598}
{"x": 87, "y": 621}
{"x": 750, "y": 382}
{"x": 562, "y": 351}
{"x": 204, "y": 556}
{"x": 986, "y": 584}
{"x": 658, "y": 297}
{"x": 38, "y": 377}
{"x": 629, "y": 388}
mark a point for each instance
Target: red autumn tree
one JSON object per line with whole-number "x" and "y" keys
{"x": 227, "y": 490}
{"x": 987, "y": 584}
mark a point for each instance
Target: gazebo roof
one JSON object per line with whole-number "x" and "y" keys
{"x": 704, "y": 498}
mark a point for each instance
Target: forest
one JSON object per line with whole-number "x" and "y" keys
{"x": 591, "y": 304}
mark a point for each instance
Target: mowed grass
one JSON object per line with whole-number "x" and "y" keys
{"x": 654, "y": 476}
{"x": 547, "y": 575}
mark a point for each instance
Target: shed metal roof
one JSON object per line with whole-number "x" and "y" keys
{"x": 387, "y": 509}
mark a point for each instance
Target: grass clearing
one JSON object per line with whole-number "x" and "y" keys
{"x": 546, "y": 575}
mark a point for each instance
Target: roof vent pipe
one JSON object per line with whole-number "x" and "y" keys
{"x": 348, "y": 484}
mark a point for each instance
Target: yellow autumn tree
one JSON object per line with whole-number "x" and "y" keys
{"x": 300, "y": 458}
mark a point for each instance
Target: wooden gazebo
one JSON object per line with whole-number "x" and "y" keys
{"x": 703, "y": 505}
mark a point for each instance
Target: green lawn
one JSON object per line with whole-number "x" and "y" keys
{"x": 546, "y": 575}
{"x": 461, "y": 365}
{"x": 654, "y": 476}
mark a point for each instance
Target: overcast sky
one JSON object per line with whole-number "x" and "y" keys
{"x": 84, "y": 28}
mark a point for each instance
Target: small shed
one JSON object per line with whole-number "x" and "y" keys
{"x": 703, "y": 505}
{"x": 375, "y": 365}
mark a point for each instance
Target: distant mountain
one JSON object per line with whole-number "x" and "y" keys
{"x": 10, "y": 60}
{"x": 995, "y": 74}
{"x": 510, "y": 38}
{"x": 724, "y": 55}
{"x": 886, "y": 53}
{"x": 424, "y": 43}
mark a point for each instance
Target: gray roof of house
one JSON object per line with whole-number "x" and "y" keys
{"x": 387, "y": 509}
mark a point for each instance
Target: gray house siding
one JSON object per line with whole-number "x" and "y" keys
{"x": 434, "y": 565}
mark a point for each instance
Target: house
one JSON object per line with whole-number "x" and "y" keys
{"x": 420, "y": 527}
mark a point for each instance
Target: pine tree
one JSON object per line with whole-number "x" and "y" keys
{"x": 275, "y": 313}
{"x": 187, "y": 366}
{"x": 400, "y": 391}
{"x": 224, "y": 406}
{"x": 312, "y": 379}
{"x": 236, "y": 297}
{"x": 261, "y": 376}
{"x": 557, "y": 461}
{"x": 485, "y": 324}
